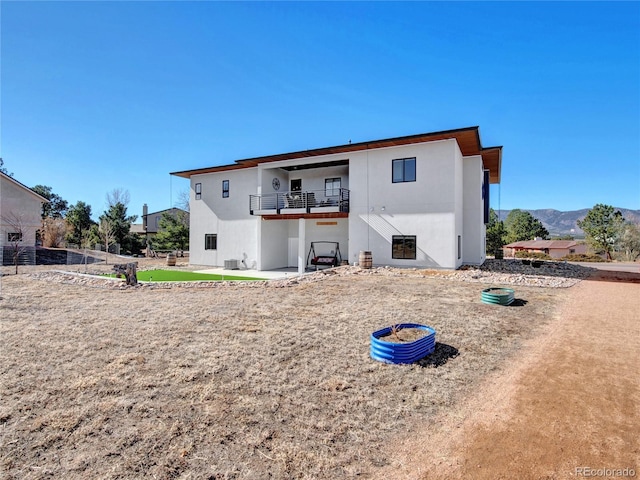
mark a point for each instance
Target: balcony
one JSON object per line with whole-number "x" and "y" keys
{"x": 298, "y": 204}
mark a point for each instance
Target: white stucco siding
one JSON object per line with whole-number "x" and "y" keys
{"x": 459, "y": 239}
{"x": 433, "y": 232}
{"x": 473, "y": 214}
{"x": 425, "y": 208}
{"x": 18, "y": 205}
{"x": 274, "y": 243}
{"x": 228, "y": 218}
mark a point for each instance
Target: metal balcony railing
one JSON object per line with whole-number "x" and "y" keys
{"x": 313, "y": 201}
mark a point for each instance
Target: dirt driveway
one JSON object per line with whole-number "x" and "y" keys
{"x": 568, "y": 408}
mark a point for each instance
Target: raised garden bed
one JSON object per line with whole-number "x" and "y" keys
{"x": 402, "y": 343}
{"x": 498, "y": 296}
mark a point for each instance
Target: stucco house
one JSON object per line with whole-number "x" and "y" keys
{"x": 553, "y": 248}
{"x": 20, "y": 218}
{"x": 413, "y": 201}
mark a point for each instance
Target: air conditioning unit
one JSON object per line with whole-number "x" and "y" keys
{"x": 231, "y": 264}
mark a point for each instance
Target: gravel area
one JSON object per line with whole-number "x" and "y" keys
{"x": 494, "y": 272}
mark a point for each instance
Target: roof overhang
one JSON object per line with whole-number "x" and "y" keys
{"x": 468, "y": 140}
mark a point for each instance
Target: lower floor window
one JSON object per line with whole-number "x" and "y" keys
{"x": 210, "y": 241}
{"x": 403, "y": 246}
{"x": 14, "y": 236}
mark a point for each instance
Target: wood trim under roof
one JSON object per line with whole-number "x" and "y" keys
{"x": 468, "y": 140}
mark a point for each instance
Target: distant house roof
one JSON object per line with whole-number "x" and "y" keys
{"x": 541, "y": 244}
{"x": 174, "y": 210}
{"x": 468, "y": 140}
{"x": 139, "y": 227}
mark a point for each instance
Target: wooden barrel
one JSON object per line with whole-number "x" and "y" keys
{"x": 366, "y": 259}
{"x": 171, "y": 259}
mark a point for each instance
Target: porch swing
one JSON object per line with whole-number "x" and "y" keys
{"x": 331, "y": 259}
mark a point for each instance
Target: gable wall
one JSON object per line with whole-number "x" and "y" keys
{"x": 16, "y": 201}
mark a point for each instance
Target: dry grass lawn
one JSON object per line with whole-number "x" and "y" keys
{"x": 239, "y": 381}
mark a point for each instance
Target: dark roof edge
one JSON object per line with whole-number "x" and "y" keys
{"x": 254, "y": 161}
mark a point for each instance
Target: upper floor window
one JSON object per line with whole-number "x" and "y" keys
{"x": 198, "y": 191}
{"x": 331, "y": 187}
{"x": 404, "y": 170}
{"x": 14, "y": 236}
{"x": 225, "y": 189}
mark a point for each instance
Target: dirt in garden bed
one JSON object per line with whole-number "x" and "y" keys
{"x": 405, "y": 335}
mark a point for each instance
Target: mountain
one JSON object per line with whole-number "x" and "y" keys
{"x": 564, "y": 223}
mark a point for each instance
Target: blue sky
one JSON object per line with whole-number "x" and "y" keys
{"x": 104, "y": 95}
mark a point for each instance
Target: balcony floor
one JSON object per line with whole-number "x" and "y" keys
{"x": 305, "y": 215}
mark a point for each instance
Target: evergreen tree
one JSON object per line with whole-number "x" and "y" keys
{"x": 120, "y": 225}
{"x": 173, "y": 233}
{"x": 603, "y": 227}
{"x": 56, "y": 207}
{"x": 495, "y": 234}
{"x": 521, "y": 225}
{"x": 79, "y": 219}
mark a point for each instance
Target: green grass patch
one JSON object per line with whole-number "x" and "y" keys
{"x": 179, "y": 276}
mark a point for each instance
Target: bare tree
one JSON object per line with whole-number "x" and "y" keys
{"x": 105, "y": 228}
{"x": 118, "y": 195}
{"x": 18, "y": 228}
{"x": 183, "y": 200}
{"x": 629, "y": 243}
{"x": 55, "y": 231}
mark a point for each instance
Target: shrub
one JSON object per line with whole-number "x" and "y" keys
{"x": 537, "y": 255}
{"x": 583, "y": 257}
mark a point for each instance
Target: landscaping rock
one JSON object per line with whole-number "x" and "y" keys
{"x": 503, "y": 272}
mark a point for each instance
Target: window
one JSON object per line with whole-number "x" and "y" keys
{"x": 331, "y": 187}
{"x": 404, "y": 170}
{"x": 403, "y": 246}
{"x": 14, "y": 236}
{"x": 198, "y": 191}
{"x": 210, "y": 241}
{"x": 225, "y": 188}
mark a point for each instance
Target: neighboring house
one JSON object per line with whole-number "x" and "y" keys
{"x": 20, "y": 218}
{"x": 553, "y": 248}
{"x": 151, "y": 221}
{"x": 415, "y": 201}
